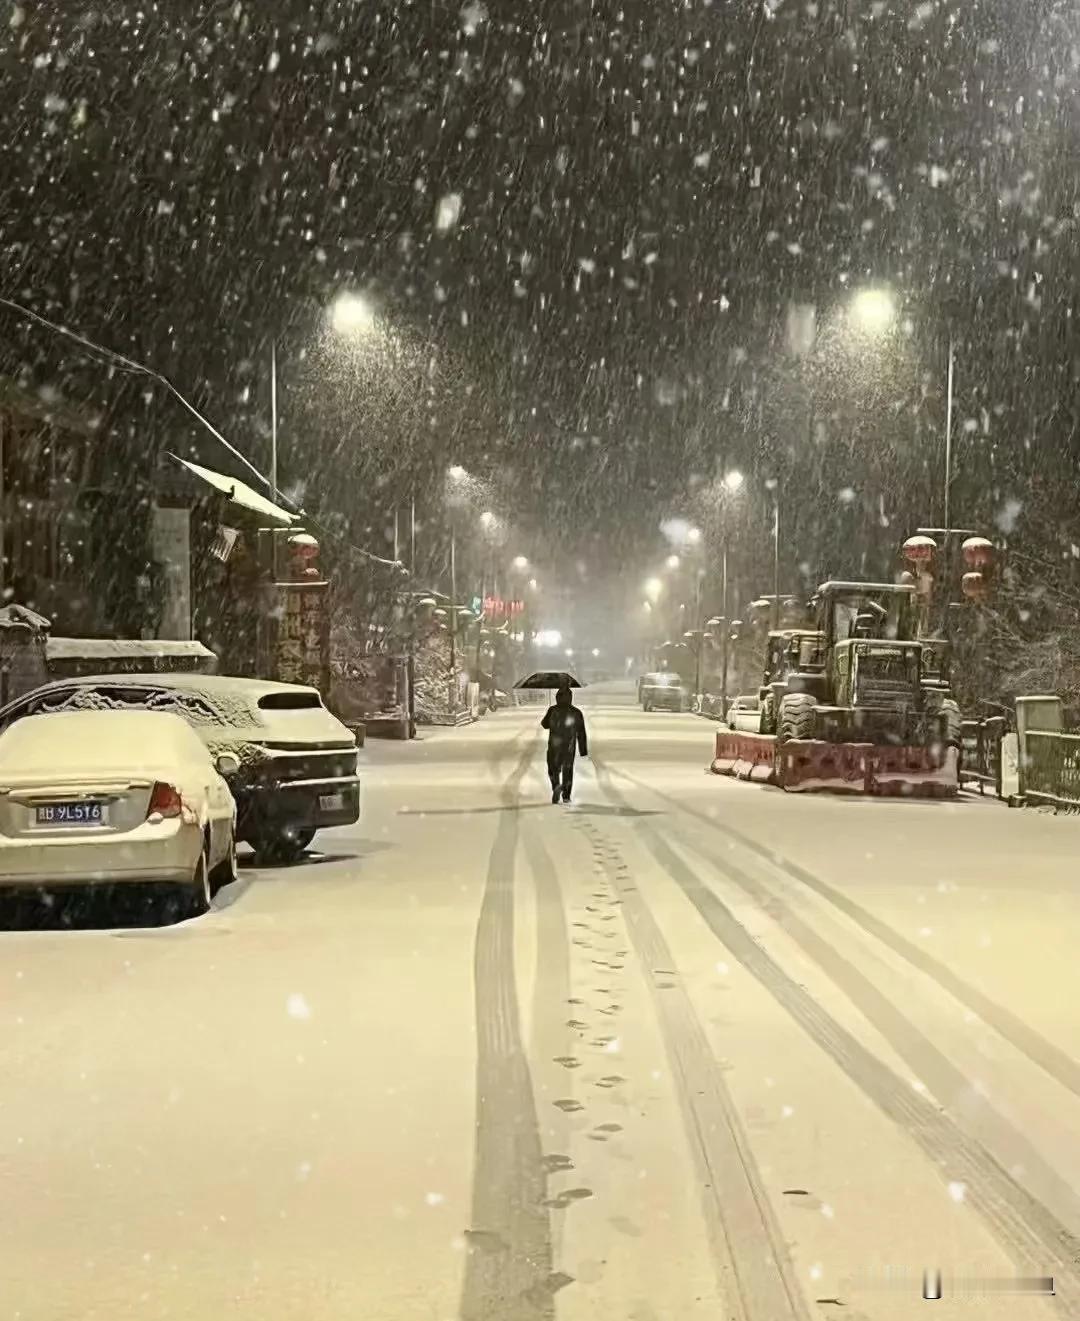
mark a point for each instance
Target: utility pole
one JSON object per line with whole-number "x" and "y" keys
{"x": 776, "y": 556}
{"x": 947, "y": 493}
{"x": 411, "y": 662}
{"x": 480, "y": 620}
{"x": 726, "y": 630}
{"x": 453, "y": 616}
{"x": 699, "y": 631}
{"x": 273, "y": 423}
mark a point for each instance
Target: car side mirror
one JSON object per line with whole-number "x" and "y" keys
{"x": 227, "y": 764}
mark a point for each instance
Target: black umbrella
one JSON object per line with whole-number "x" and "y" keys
{"x": 549, "y": 679}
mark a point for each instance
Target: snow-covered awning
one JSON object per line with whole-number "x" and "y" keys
{"x": 239, "y": 493}
{"x": 126, "y": 649}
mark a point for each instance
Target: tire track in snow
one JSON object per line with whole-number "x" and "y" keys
{"x": 508, "y": 1268}
{"x": 1024, "y": 1038}
{"x": 754, "y": 1270}
{"x": 1026, "y": 1229}
{"x": 550, "y": 1038}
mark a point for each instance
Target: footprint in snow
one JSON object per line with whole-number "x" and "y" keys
{"x": 568, "y": 1105}
{"x": 556, "y": 1163}
{"x": 484, "y": 1240}
{"x": 568, "y": 1061}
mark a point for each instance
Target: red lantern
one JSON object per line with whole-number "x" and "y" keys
{"x": 978, "y": 553}
{"x": 303, "y": 553}
{"x": 919, "y": 550}
{"x": 974, "y": 586}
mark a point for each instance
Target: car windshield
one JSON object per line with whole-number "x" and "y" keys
{"x": 599, "y": 481}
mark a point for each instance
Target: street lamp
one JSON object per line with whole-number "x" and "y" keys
{"x": 774, "y": 485}
{"x": 672, "y": 561}
{"x": 653, "y": 589}
{"x": 733, "y": 481}
{"x": 693, "y": 537}
{"x": 873, "y": 310}
{"x": 521, "y": 563}
{"x": 352, "y": 314}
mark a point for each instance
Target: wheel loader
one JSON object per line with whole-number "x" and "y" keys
{"x": 860, "y": 675}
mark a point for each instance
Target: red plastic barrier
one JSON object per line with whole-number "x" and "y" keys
{"x": 805, "y": 765}
{"x": 813, "y": 764}
{"x": 917, "y": 772}
{"x": 746, "y": 756}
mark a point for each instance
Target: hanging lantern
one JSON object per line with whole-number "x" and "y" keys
{"x": 974, "y": 586}
{"x": 303, "y": 555}
{"x": 978, "y": 553}
{"x": 919, "y": 550}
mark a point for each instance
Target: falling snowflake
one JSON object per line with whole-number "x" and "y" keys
{"x": 447, "y": 212}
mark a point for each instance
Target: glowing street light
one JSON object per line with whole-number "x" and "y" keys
{"x": 521, "y": 563}
{"x": 873, "y": 310}
{"x": 595, "y": 652}
{"x": 693, "y": 537}
{"x": 456, "y": 472}
{"x": 653, "y": 588}
{"x": 733, "y": 481}
{"x": 351, "y": 314}
{"x": 672, "y": 561}
{"x": 487, "y": 520}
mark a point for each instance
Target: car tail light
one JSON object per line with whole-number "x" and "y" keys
{"x": 164, "y": 800}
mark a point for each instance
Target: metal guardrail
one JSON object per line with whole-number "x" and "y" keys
{"x": 1052, "y": 767}
{"x": 981, "y": 760}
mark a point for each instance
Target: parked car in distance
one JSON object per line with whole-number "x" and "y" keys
{"x": 297, "y": 769}
{"x": 107, "y": 797}
{"x": 663, "y": 691}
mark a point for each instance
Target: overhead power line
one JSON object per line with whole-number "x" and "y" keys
{"x": 125, "y": 364}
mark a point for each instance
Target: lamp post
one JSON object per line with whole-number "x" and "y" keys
{"x": 774, "y": 485}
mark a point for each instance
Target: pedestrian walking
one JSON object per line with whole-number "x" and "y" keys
{"x": 566, "y": 738}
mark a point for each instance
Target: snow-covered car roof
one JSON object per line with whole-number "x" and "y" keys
{"x": 221, "y": 706}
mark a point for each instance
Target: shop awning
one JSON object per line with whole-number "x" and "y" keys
{"x": 239, "y": 493}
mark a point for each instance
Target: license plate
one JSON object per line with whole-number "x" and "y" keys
{"x": 71, "y": 814}
{"x": 331, "y": 802}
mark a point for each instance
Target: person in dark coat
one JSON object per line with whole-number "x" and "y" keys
{"x": 566, "y": 737}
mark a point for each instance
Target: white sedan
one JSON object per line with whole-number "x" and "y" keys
{"x": 107, "y": 797}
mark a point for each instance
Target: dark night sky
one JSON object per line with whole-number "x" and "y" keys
{"x": 644, "y": 187}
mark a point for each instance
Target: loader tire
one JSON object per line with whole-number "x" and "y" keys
{"x": 797, "y": 717}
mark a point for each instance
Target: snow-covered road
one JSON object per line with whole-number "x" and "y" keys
{"x": 689, "y": 1049}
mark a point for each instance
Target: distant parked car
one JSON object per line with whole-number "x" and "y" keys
{"x": 663, "y": 691}
{"x": 297, "y": 770}
{"x": 105, "y": 797}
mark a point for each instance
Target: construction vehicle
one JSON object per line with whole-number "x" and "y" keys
{"x": 859, "y": 677}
